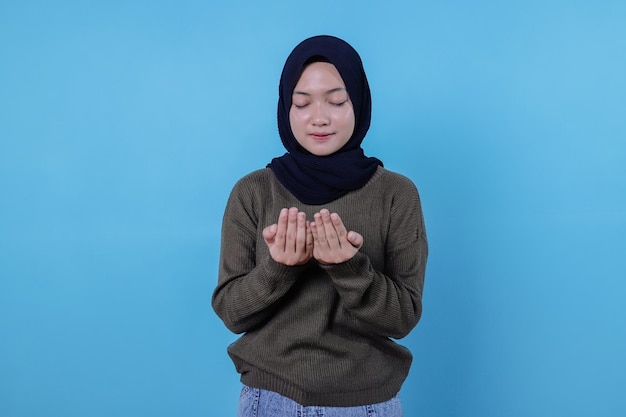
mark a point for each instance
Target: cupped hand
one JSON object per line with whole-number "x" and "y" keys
{"x": 332, "y": 243}
{"x": 290, "y": 240}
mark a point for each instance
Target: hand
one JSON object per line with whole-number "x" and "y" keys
{"x": 290, "y": 240}
{"x": 332, "y": 243}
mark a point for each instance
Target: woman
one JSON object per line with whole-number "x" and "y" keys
{"x": 323, "y": 254}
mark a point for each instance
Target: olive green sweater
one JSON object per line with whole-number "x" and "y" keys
{"x": 321, "y": 335}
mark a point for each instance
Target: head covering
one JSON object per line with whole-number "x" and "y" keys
{"x": 321, "y": 179}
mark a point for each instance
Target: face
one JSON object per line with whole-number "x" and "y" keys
{"x": 321, "y": 114}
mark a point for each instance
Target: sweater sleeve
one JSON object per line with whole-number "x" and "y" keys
{"x": 389, "y": 302}
{"x": 248, "y": 289}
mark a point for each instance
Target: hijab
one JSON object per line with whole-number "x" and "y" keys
{"x": 321, "y": 179}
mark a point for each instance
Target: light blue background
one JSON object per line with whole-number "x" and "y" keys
{"x": 124, "y": 124}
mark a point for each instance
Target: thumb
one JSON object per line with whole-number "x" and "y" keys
{"x": 269, "y": 233}
{"x": 355, "y": 239}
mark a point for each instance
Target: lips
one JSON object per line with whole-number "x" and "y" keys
{"x": 320, "y": 135}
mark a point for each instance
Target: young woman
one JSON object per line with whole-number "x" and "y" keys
{"x": 323, "y": 254}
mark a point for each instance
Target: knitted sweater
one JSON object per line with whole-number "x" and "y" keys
{"x": 321, "y": 334}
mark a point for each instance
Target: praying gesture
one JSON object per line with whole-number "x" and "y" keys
{"x": 294, "y": 241}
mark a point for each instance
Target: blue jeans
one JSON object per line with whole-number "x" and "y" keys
{"x": 255, "y": 402}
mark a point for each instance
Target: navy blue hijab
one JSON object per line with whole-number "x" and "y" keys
{"x": 321, "y": 179}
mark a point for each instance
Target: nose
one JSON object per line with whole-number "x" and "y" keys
{"x": 320, "y": 115}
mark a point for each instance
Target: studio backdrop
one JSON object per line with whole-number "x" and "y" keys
{"x": 125, "y": 124}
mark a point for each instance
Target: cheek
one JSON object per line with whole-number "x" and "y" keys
{"x": 347, "y": 119}
{"x": 296, "y": 122}
{"x": 292, "y": 118}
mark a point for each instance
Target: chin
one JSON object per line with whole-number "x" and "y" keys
{"x": 322, "y": 152}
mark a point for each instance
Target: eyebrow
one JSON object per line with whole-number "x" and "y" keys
{"x": 333, "y": 90}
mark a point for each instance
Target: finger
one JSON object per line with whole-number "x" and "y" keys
{"x": 301, "y": 232}
{"x": 329, "y": 230}
{"x": 355, "y": 239}
{"x": 269, "y": 233}
{"x": 281, "y": 228}
{"x": 292, "y": 229}
{"x": 313, "y": 228}
{"x": 319, "y": 232}
{"x": 319, "y": 241}
{"x": 342, "y": 233}
{"x": 309, "y": 238}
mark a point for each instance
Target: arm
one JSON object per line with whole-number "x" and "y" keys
{"x": 249, "y": 286}
{"x": 388, "y": 301}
